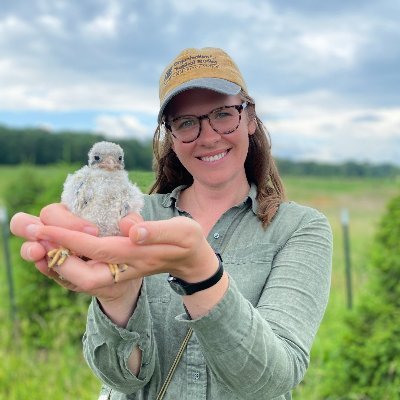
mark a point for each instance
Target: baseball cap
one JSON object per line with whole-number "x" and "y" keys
{"x": 207, "y": 68}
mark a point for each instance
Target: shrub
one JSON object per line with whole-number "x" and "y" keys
{"x": 367, "y": 363}
{"x": 49, "y": 315}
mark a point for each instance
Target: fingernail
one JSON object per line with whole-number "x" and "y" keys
{"x": 141, "y": 234}
{"x": 32, "y": 230}
{"x": 28, "y": 251}
{"x": 91, "y": 230}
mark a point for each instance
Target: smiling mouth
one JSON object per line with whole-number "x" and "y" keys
{"x": 216, "y": 157}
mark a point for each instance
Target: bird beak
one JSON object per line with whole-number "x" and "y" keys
{"x": 109, "y": 164}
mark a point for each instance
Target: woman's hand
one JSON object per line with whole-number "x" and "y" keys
{"x": 35, "y": 250}
{"x": 177, "y": 246}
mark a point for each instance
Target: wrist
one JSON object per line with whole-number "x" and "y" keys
{"x": 120, "y": 309}
{"x": 203, "y": 264}
{"x": 185, "y": 287}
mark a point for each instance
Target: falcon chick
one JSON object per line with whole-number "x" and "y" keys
{"x": 101, "y": 193}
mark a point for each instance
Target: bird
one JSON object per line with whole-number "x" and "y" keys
{"x": 102, "y": 193}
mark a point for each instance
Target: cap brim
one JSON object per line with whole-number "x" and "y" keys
{"x": 216, "y": 84}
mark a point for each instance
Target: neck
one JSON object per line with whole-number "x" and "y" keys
{"x": 211, "y": 202}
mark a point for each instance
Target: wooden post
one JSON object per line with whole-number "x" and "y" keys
{"x": 7, "y": 259}
{"x": 347, "y": 259}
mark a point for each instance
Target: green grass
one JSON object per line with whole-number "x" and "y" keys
{"x": 64, "y": 375}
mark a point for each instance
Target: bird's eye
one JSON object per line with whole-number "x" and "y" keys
{"x": 97, "y": 158}
{"x": 120, "y": 158}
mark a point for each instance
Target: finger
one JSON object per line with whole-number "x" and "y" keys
{"x": 65, "y": 284}
{"x": 25, "y": 225}
{"x": 89, "y": 276}
{"x": 58, "y": 215}
{"x": 32, "y": 251}
{"x": 127, "y": 222}
{"x": 178, "y": 231}
{"x": 92, "y": 247}
{"x": 42, "y": 266}
{"x": 84, "y": 275}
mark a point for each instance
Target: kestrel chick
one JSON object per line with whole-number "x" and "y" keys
{"x": 102, "y": 193}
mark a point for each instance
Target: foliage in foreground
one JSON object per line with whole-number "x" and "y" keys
{"x": 48, "y": 314}
{"x": 367, "y": 365}
{"x": 31, "y": 373}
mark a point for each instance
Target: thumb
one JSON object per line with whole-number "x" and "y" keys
{"x": 180, "y": 231}
{"x": 126, "y": 223}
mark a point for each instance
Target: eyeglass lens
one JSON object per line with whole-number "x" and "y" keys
{"x": 223, "y": 120}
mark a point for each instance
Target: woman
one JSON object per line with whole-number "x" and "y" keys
{"x": 218, "y": 253}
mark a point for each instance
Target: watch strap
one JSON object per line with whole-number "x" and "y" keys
{"x": 187, "y": 288}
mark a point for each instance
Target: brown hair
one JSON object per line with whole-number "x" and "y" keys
{"x": 259, "y": 165}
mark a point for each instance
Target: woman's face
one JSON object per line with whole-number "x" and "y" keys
{"x": 213, "y": 159}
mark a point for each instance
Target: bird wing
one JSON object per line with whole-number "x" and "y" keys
{"x": 133, "y": 201}
{"x": 77, "y": 191}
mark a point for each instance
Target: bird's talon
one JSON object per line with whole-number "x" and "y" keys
{"x": 116, "y": 269}
{"x": 57, "y": 257}
{"x": 52, "y": 253}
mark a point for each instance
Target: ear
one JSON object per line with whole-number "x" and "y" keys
{"x": 252, "y": 126}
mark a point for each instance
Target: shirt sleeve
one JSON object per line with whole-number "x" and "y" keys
{"x": 262, "y": 352}
{"x": 107, "y": 347}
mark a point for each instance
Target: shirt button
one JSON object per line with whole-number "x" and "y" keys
{"x": 216, "y": 235}
{"x": 196, "y": 375}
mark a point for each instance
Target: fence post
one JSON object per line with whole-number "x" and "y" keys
{"x": 346, "y": 242}
{"x": 7, "y": 259}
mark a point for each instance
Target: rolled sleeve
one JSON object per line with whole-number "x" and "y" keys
{"x": 107, "y": 346}
{"x": 267, "y": 345}
{"x": 234, "y": 334}
{"x": 224, "y": 314}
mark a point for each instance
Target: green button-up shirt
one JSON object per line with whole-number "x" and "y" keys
{"x": 255, "y": 343}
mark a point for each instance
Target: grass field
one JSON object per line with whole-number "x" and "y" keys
{"x": 65, "y": 376}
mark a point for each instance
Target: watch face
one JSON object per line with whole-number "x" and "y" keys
{"x": 176, "y": 286}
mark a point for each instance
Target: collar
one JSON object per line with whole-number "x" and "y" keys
{"x": 170, "y": 199}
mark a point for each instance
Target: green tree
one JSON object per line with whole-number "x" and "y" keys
{"x": 367, "y": 363}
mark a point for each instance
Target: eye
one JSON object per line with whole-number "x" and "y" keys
{"x": 120, "y": 158}
{"x": 222, "y": 114}
{"x": 97, "y": 158}
{"x": 184, "y": 123}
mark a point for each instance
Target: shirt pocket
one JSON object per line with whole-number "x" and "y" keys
{"x": 249, "y": 265}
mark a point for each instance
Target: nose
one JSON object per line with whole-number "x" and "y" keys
{"x": 207, "y": 133}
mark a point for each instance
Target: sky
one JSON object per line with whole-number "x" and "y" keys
{"x": 325, "y": 75}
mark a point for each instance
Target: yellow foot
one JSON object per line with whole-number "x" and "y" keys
{"x": 57, "y": 257}
{"x": 116, "y": 269}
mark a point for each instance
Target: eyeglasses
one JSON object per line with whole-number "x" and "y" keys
{"x": 223, "y": 120}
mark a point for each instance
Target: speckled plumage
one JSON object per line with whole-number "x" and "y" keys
{"x": 101, "y": 191}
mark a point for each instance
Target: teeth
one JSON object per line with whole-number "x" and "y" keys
{"x": 214, "y": 158}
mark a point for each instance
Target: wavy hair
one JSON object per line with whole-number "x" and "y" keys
{"x": 259, "y": 166}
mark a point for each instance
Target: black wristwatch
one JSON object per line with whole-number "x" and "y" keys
{"x": 185, "y": 288}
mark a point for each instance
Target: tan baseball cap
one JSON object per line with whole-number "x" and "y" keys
{"x": 207, "y": 68}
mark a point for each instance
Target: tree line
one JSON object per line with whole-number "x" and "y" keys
{"x": 349, "y": 169}
{"x": 40, "y": 147}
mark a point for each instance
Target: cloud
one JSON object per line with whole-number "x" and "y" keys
{"x": 331, "y": 132}
{"x": 104, "y": 24}
{"x": 122, "y": 127}
{"x": 324, "y": 75}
